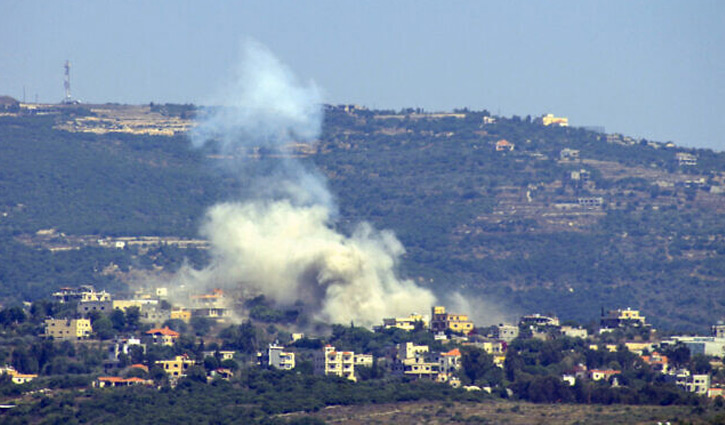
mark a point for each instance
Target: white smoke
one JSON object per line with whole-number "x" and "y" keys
{"x": 281, "y": 239}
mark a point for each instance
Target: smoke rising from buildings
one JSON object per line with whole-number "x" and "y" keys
{"x": 280, "y": 239}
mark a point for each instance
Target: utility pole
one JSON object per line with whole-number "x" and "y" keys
{"x": 66, "y": 83}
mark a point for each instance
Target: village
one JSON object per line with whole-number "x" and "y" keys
{"x": 127, "y": 362}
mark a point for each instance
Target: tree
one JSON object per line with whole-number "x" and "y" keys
{"x": 479, "y": 368}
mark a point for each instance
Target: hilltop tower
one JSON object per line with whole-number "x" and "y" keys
{"x": 66, "y": 83}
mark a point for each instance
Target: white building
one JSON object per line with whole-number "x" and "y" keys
{"x": 279, "y": 359}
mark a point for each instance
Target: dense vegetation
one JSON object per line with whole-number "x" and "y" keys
{"x": 438, "y": 183}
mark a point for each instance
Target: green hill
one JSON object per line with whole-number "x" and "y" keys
{"x": 616, "y": 223}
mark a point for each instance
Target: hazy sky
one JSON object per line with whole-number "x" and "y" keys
{"x": 653, "y": 69}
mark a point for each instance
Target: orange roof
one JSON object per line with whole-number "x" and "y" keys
{"x": 606, "y": 372}
{"x": 163, "y": 331}
{"x": 118, "y": 379}
{"x": 140, "y": 366}
{"x": 453, "y": 352}
{"x": 110, "y": 378}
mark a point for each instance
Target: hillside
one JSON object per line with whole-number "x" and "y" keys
{"x": 567, "y": 221}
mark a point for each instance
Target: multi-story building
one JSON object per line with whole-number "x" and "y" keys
{"x": 623, "y": 318}
{"x": 506, "y": 332}
{"x": 412, "y": 361}
{"x": 550, "y": 119}
{"x": 405, "y": 323}
{"x": 332, "y": 362}
{"x": 124, "y": 346}
{"x": 279, "y": 359}
{"x": 178, "y": 366}
{"x": 698, "y": 384}
{"x": 84, "y": 293}
{"x": 163, "y": 336}
{"x": 442, "y": 321}
{"x": 84, "y": 308}
{"x": 684, "y": 158}
{"x": 68, "y": 329}
{"x": 449, "y": 362}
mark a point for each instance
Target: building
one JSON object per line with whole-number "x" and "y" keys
{"x": 124, "y": 346}
{"x": 506, "y": 332}
{"x": 538, "y": 321}
{"x": 412, "y": 361}
{"x": 163, "y": 336}
{"x": 84, "y": 308}
{"x": 405, "y": 323}
{"x": 15, "y": 376}
{"x": 657, "y": 362}
{"x": 599, "y": 374}
{"x": 707, "y": 345}
{"x": 365, "y": 360}
{"x": 623, "y": 318}
{"x": 504, "y": 145}
{"x": 698, "y": 384}
{"x": 718, "y": 330}
{"x": 83, "y": 293}
{"x": 279, "y": 359}
{"x": 684, "y": 158}
{"x": 178, "y": 366}
{"x": 181, "y": 314}
{"x": 442, "y": 321}
{"x": 590, "y": 202}
{"x": 115, "y": 381}
{"x": 567, "y": 154}
{"x": 332, "y": 362}
{"x": 449, "y": 362}
{"x": 550, "y": 119}
{"x": 573, "y": 332}
{"x": 68, "y": 329}
{"x": 221, "y": 354}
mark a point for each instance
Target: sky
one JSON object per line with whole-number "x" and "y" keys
{"x": 651, "y": 69}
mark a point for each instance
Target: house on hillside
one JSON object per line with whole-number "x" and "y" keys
{"x": 163, "y": 336}
{"x": 504, "y": 145}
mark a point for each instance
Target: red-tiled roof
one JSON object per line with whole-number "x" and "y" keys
{"x": 140, "y": 366}
{"x": 453, "y": 352}
{"x": 163, "y": 331}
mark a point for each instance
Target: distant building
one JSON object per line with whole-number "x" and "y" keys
{"x": 538, "y": 320}
{"x": 442, "y": 321}
{"x": 550, "y": 119}
{"x": 15, "y": 376}
{"x": 84, "y": 293}
{"x": 599, "y": 374}
{"x": 123, "y": 346}
{"x": 412, "y": 361}
{"x": 116, "y": 381}
{"x": 504, "y": 145}
{"x": 684, "y": 158}
{"x": 84, "y": 308}
{"x": 332, "y": 362}
{"x": 698, "y": 384}
{"x": 279, "y": 359}
{"x": 178, "y": 366}
{"x": 68, "y": 329}
{"x": 506, "y": 332}
{"x": 405, "y": 323}
{"x": 718, "y": 330}
{"x": 573, "y": 332}
{"x": 591, "y": 202}
{"x": 567, "y": 154}
{"x": 623, "y": 318}
{"x": 449, "y": 362}
{"x": 163, "y": 336}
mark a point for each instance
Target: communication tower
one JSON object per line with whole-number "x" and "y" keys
{"x": 66, "y": 83}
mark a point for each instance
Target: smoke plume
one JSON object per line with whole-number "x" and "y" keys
{"x": 280, "y": 239}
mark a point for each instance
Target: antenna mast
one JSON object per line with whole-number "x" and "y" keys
{"x": 66, "y": 83}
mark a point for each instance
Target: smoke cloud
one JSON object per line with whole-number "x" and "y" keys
{"x": 280, "y": 239}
